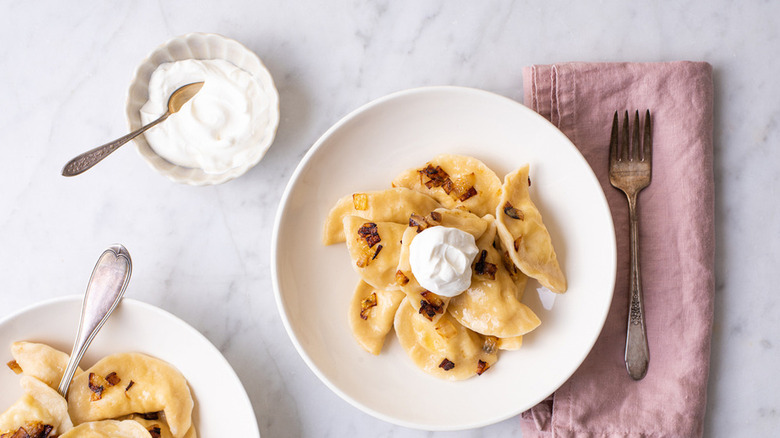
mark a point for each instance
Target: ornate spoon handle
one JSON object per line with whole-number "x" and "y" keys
{"x": 85, "y": 161}
{"x": 104, "y": 291}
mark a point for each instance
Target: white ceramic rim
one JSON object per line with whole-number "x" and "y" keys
{"x": 245, "y": 59}
{"x": 230, "y": 374}
{"x": 601, "y": 318}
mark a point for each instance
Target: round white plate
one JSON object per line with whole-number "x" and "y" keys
{"x": 365, "y": 151}
{"x": 222, "y": 407}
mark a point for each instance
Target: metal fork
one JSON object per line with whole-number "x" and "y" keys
{"x": 631, "y": 171}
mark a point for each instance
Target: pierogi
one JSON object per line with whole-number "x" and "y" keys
{"x": 450, "y": 338}
{"x": 122, "y": 395}
{"x": 41, "y": 412}
{"x": 371, "y": 315}
{"x": 140, "y": 384}
{"x": 490, "y": 305}
{"x": 524, "y": 235}
{"x": 391, "y": 205}
{"x": 456, "y": 181}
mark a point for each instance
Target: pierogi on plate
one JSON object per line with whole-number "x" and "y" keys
{"x": 122, "y": 395}
{"x": 452, "y": 338}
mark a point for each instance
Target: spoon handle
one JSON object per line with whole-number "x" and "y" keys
{"x": 85, "y": 161}
{"x": 104, "y": 291}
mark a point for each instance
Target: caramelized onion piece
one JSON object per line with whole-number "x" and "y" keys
{"x": 97, "y": 385}
{"x": 378, "y": 248}
{"x": 369, "y": 233}
{"x": 112, "y": 379}
{"x": 400, "y": 278}
{"x": 512, "y": 212}
{"x": 30, "y": 430}
{"x": 490, "y": 344}
{"x": 469, "y": 193}
{"x": 447, "y": 364}
{"x": 129, "y": 385}
{"x": 366, "y": 305}
{"x": 155, "y": 431}
{"x": 446, "y": 329}
{"x": 14, "y": 366}
{"x": 360, "y": 201}
{"x": 483, "y": 267}
{"x": 436, "y": 176}
{"x": 482, "y": 366}
{"x": 431, "y": 305}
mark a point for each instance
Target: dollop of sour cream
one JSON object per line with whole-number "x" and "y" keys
{"x": 216, "y": 130}
{"x": 441, "y": 259}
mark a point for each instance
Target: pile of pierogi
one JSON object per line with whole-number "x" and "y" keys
{"x": 459, "y": 337}
{"x": 122, "y": 395}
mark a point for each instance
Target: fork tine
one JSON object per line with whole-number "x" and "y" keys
{"x": 624, "y": 139}
{"x": 647, "y": 145}
{"x": 635, "y": 138}
{"x": 613, "y": 141}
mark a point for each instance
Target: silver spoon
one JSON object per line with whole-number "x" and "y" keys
{"x": 104, "y": 291}
{"x": 85, "y": 161}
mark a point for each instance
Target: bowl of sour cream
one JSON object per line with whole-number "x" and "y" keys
{"x": 220, "y": 133}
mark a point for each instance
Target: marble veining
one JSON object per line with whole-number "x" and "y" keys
{"x": 203, "y": 252}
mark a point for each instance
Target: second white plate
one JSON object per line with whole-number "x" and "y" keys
{"x": 222, "y": 407}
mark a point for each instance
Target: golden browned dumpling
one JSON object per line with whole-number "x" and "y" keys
{"x": 524, "y": 235}
{"x": 45, "y": 363}
{"x": 127, "y": 383}
{"x": 455, "y": 181}
{"x": 391, "y": 205}
{"x": 40, "y": 412}
{"x": 444, "y": 348}
{"x": 490, "y": 305}
{"x": 374, "y": 248}
{"x": 108, "y": 429}
{"x": 371, "y": 315}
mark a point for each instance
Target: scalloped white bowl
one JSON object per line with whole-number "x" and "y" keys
{"x": 200, "y": 46}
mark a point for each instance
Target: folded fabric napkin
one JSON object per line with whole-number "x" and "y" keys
{"x": 676, "y": 241}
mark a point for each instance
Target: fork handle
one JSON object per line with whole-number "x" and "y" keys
{"x": 637, "y": 352}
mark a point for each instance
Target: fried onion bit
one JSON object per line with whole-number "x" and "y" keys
{"x": 14, "y": 366}
{"x": 446, "y": 364}
{"x": 436, "y": 176}
{"x": 97, "y": 385}
{"x": 30, "y": 430}
{"x": 155, "y": 431}
{"x": 483, "y": 267}
{"x": 517, "y": 242}
{"x": 469, "y": 193}
{"x": 446, "y": 329}
{"x": 430, "y": 305}
{"x": 490, "y": 344}
{"x": 369, "y": 233}
{"x": 378, "y": 248}
{"x": 113, "y": 379}
{"x": 360, "y": 201}
{"x": 415, "y": 220}
{"x": 512, "y": 212}
{"x": 400, "y": 278}
{"x": 482, "y": 366}
{"x": 129, "y": 385}
{"x": 367, "y": 304}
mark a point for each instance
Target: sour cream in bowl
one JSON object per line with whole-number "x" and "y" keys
{"x": 225, "y": 129}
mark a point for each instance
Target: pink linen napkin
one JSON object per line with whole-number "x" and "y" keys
{"x": 676, "y": 237}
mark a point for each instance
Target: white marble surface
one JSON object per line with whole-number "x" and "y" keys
{"x": 203, "y": 252}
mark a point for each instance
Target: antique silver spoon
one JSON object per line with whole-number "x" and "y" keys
{"x": 104, "y": 291}
{"x": 85, "y": 161}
